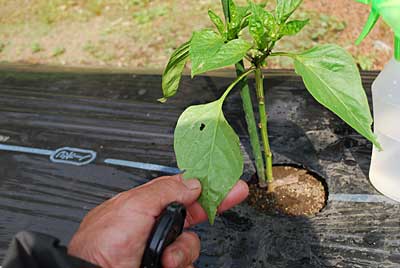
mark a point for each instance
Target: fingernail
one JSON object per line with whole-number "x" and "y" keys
{"x": 192, "y": 184}
{"x": 179, "y": 257}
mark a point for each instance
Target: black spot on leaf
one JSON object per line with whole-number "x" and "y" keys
{"x": 202, "y": 127}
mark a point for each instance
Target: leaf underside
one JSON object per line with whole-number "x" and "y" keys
{"x": 207, "y": 148}
{"x": 173, "y": 72}
{"x": 331, "y": 76}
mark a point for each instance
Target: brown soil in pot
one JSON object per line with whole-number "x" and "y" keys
{"x": 296, "y": 193}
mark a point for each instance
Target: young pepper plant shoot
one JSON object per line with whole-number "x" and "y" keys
{"x": 206, "y": 146}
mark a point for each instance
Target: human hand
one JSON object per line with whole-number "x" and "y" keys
{"x": 115, "y": 233}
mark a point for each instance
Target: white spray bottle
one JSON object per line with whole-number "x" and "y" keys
{"x": 385, "y": 164}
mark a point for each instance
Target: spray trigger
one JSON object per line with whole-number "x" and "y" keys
{"x": 166, "y": 230}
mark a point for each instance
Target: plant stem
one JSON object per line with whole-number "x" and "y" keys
{"x": 234, "y": 83}
{"x": 397, "y": 47}
{"x": 227, "y": 13}
{"x": 251, "y": 124}
{"x": 263, "y": 123}
{"x": 287, "y": 54}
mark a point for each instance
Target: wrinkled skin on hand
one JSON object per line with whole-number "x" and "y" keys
{"x": 115, "y": 233}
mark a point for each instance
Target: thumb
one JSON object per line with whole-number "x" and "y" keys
{"x": 159, "y": 193}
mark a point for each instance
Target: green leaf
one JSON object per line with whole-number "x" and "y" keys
{"x": 173, "y": 72}
{"x": 225, "y": 7}
{"x": 217, "y": 21}
{"x": 208, "y": 51}
{"x": 285, "y": 8}
{"x": 331, "y": 76}
{"x": 293, "y": 27}
{"x": 244, "y": 12}
{"x": 390, "y": 12}
{"x": 262, "y": 26}
{"x": 208, "y": 148}
{"x": 234, "y": 16}
{"x": 372, "y": 19}
{"x": 364, "y": 1}
{"x": 237, "y": 18}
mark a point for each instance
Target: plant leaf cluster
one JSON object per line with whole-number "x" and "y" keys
{"x": 390, "y": 12}
{"x": 206, "y": 146}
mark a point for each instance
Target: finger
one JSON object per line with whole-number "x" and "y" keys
{"x": 196, "y": 214}
{"x": 183, "y": 252}
{"x": 237, "y": 195}
{"x": 177, "y": 177}
{"x": 153, "y": 197}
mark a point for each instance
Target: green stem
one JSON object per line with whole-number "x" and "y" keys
{"x": 263, "y": 123}
{"x": 397, "y": 48}
{"x": 248, "y": 108}
{"x": 287, "y": 54}
{"x": 234, "y": 83}
{"x": 251, "y": 124}
{"x": 227, "y": 13}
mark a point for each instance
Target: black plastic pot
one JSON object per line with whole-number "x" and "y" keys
{"x": 117, "y": 117}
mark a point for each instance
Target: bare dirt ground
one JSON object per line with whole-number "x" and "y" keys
{"x": 141, "y": 34}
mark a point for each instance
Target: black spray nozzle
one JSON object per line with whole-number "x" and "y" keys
{"x": 168, "y": 227}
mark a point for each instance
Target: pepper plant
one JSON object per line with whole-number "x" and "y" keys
{"x": 205, "y": 144}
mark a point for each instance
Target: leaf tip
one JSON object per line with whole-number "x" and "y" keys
{"x": 211, "y": 211}
{"x": 211, "y": 217}
{"x": 360, "y": 38}
{"x": 374, "y": 139}
{"x": 163, "y": 100}
{"x": 211, "y": 221}
{"x": 378, "y": 145}
{"x": 193, "y": 74}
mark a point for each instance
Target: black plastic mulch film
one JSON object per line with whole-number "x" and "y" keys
{"x": 115, "y": 117}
